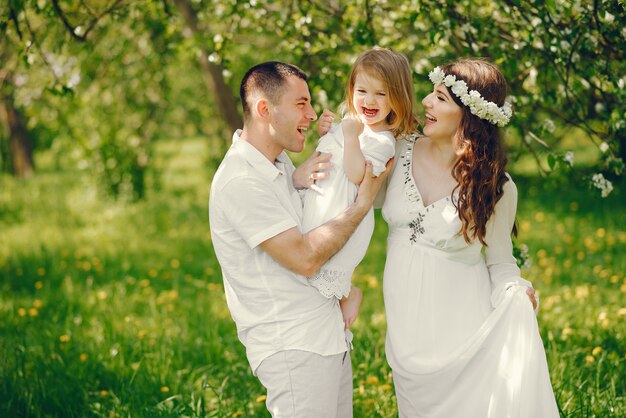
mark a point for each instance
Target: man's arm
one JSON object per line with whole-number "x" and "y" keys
{"x": 306, "y": 253}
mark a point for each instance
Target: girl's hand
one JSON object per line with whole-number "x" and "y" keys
{"x": 316, "y": 167}
{"x": 352, "y": 128}
{"x": 325, "y": 122}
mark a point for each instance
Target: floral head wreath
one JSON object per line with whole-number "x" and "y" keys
{"x": 477, "y": 104}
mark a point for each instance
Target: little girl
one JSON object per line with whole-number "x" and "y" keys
{"x": 379, "y": 107}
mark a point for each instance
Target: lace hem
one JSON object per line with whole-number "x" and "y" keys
{"x": 332, "y": 283}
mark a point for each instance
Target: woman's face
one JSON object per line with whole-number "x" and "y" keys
{"x": 443, "y": 115}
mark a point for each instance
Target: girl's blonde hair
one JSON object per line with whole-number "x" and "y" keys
{"x": 394, "y": 71}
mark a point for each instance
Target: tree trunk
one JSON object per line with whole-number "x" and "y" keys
{"x": 224, "y": 99}
{"x": 20, "y": 145}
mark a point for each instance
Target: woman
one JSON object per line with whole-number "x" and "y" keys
{"x": 462, "y": 339}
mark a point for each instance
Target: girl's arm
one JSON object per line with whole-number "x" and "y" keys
{"x": 353, "y": 159}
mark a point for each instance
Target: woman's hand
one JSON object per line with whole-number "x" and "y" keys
{"x": 325, "y": 122}
{"x": 316, "y": 167}
{"x": 533, "y": 298}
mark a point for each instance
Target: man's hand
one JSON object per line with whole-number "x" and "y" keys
{"x": 371, "y": 184}
{"x": 316, "y": 167}
{"x": 325, "y": 122}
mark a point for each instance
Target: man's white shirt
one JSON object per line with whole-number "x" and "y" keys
{"x": 274, "y": 308}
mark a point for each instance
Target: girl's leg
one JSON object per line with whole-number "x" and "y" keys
{"x": 350, "y": 306}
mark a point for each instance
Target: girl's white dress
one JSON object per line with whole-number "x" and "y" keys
{"x": 462, "y": 338}
{"x": 334, "y": 278}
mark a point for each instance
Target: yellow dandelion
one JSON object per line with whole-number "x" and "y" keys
{"x": 142, "y": 333}
{"x": 568, "y": 331}
{"x": 64, "y": 338}
{"x": 215, "y": 286}
{"x": 558, "y": 249}
{"x": 83, "y": 357}
{"x": 580, "y": 256}
{"x": 601, "y": 232}
{"x": 86, "y": 266}
{"x": 165, "y": 389}
{"x": 103, "y": 393}
{"x": 152, "y": 273}
{"x": 37, "y": 303}
{"x": 21, "y": 312}
{"x": 261, "y": 398}
{"x": 614, "y": 278}
{"x": 605, "y": 323}
{"x": 596, "y": 351}
{"x": 590, "y": 359}
{"x": 101, "y": 294}
{"x": 38, "y": 284}
{"x": 567, "y": 263}
{"x": 621, "y": 312}
{"x": 610, "y": 240}
{"x": 41, "y": 271}
{"x": 540, "y": 217}
{"x": 602, "y": 316}
{"x": 169, "y": 307}
{"x": 209, "y": 271}
{"x": 582, "y": 292}
{"x": 386, "y": 387}
{"x": 175, "y": 263}
{"x": 597, "y": 268}
{"x": 525, "y": 226}
{"x": 372, "y": 281}
{"x": 371, "y": 380}
{"x": 237, "y": 413}
{"x": 144, "y": 283}
{"x": 623, "y": 288}
{"x": 33, "y": 312}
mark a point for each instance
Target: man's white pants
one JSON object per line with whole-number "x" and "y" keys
{"x": 307, "y": 385}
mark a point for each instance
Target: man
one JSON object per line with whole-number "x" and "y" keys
{"x": 294, "y": 337}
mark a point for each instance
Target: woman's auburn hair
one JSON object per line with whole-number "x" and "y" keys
{"x": 480, "y": 169}
{"x": 394, "y": 71}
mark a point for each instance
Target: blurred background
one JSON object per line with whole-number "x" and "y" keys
{"x": 116, "y": 113}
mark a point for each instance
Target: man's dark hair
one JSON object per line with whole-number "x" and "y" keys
{"x": 269, "y": 78}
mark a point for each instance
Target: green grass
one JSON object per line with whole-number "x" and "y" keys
{"x": 111, "y": 309}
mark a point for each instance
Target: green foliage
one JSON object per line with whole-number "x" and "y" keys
{"x": 113, "y": 309}
{"x": 100, "y": 82}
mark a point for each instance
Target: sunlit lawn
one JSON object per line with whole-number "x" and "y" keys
{"x": 117, "y": 309}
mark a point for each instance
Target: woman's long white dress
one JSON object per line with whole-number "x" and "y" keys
{"x": 462, "y": 338}
{"x": 338, "y": 192}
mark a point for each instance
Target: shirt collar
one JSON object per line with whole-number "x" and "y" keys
{"x": 256, "y": 159}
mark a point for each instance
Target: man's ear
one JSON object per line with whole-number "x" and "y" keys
{"x": 261, "y": 107}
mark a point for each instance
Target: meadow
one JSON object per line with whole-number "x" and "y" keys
{"x": 117, "y": 309}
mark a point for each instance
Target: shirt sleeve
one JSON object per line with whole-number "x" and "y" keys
{"x": 378, "y": 148}
{"x": 502, "y": 266}
{"x": 253, "y": 209}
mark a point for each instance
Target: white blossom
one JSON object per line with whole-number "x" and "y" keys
{"x": 604, "y": 147}
{"x": 604, "y": 185}
{"x": 549, "y": 125}
{"x": 569, "y": 158}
